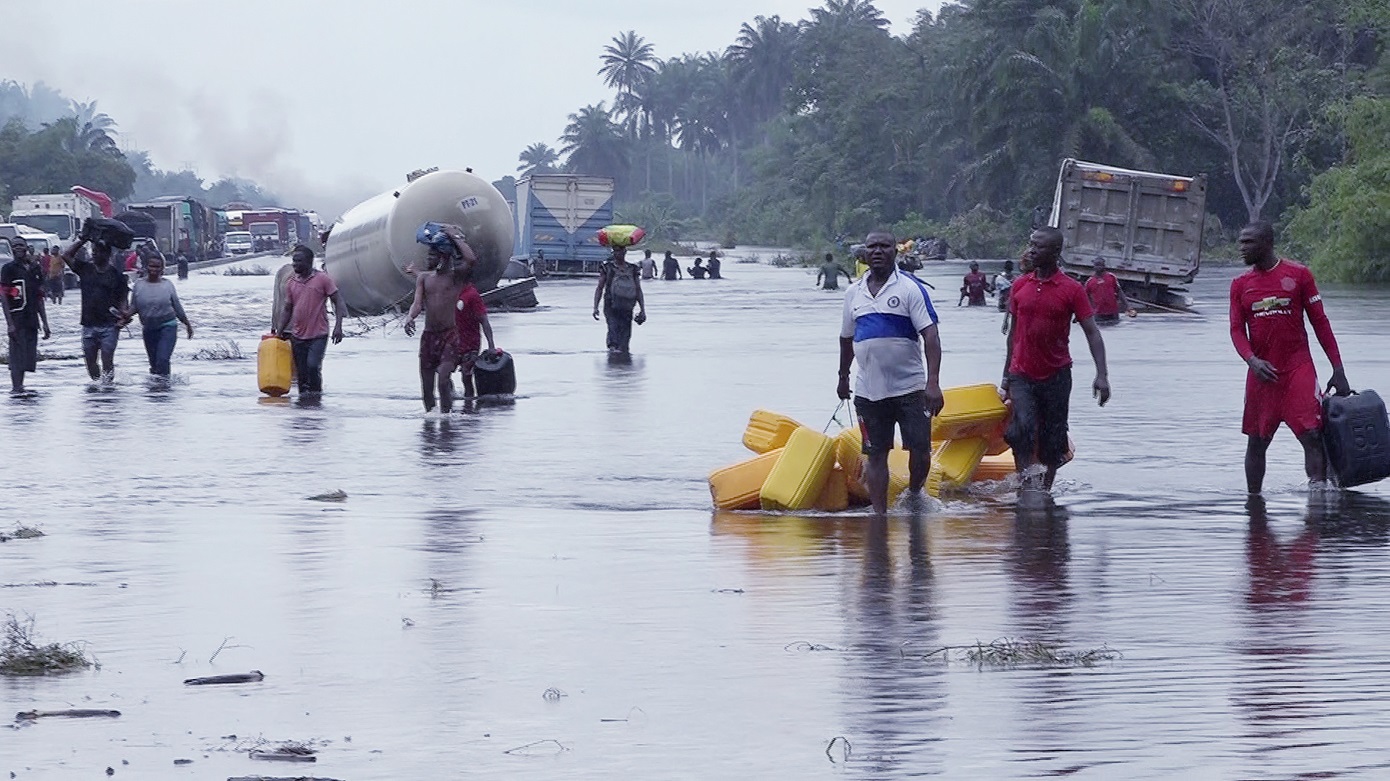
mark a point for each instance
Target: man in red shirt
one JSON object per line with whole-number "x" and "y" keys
{"x": 305, "y": 319}
{"x": 1268, "y": 303}
{"x": 1037, "y": 364}
{"x": 1107, "y": 298}
{"x": 470, "y": 317}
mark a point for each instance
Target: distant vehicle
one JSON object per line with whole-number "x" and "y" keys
{"x": 1147, "y": 226}
{"x": 560, "y": 215}
{"x": 238, "y": 243}
{"x": 271, "y": 228}
{"x": 37, "y": 239}
{"x": 182, "y": 224}
{"x": 60, "y": 213}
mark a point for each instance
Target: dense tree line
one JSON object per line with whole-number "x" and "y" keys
{"x": 49, "y": 143}
{"x": 799, "y": 132}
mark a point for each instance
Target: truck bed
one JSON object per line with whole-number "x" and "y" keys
{"x": 1147, "y": 226}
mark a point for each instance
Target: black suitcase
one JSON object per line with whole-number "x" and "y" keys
{"x": 494, "y": 374}
{"x": 1356, "y": 433}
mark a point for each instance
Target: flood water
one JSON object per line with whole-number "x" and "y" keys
{"x": 566, "y": 543}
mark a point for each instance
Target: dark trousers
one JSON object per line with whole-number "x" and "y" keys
{"x": 619, "y": 327}
{"x": 159, "y": 346}
{"x": 24, "y": 352}
{"x": 308, "y": 362}
{"x": 1039, "y": 421}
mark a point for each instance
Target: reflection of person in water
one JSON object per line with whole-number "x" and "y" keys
{"x": 1038, "y": 563}
{"x": 1280, "y": 573}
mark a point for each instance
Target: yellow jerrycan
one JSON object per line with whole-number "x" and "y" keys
{"x": 274, "y": 365}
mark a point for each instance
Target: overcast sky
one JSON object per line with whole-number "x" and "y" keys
{"x": 330, "y": 101}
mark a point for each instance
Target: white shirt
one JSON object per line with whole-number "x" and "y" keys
{"x": 885, "y": 329}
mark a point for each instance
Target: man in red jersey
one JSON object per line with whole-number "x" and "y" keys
{"x": 1268, "y": 303}
{"x": 1037, "y": 365}
{"x": 1107, "y": 298}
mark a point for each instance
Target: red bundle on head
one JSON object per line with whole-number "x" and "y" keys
{"x": 620, "y": 235}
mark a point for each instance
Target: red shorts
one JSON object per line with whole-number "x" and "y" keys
{"x": 1292, "y": 400}
{"x": 439, "y": 349}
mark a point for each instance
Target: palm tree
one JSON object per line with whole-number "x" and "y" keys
{"x": 843, "y": 15}
{"x": 593, "y": 143}
{"x": 627, "y": 62}
{"x": 538, "y": 158}
{"x": 95, "y": 128}
{"x": 761, "y": 60}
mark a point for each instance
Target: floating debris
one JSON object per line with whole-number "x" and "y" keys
{"x": 255, "y": 676}
{"x": 292, "y": 752}
{"x": 529, "y": 748}
{"x": 552, "y": 694}
{"x": 76, "y": 713}
{"x": 1009, "y": 652}
{"x": 332, "y": 496}
{"x": 22, "y": 655}
{"x": 281, "y": 778}
{"x": 225, "y": 350}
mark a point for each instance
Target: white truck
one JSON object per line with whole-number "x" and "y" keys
{"x": 58, "y": 213}
{"x": 1147, "y": 226}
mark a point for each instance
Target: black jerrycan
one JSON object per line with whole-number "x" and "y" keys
{"x": 1356, "y": 433}
{"x": 494, "y": 374}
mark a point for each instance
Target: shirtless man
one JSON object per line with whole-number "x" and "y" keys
{"x": 436, "y": 291}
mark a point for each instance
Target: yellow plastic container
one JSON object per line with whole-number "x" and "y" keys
{"x": 954, "y": 462}
{"x": 736, "y": 487}
{"x": 768, "y": 431}
{"x": 970, "y": 411}
{"x": 274, "y": 365}
{"x": 834, "y": 497}
{"x": 849, "y": 455}
{"x": 799, "y": 476}
{"x": 898, "y": 473}
{"x": 996, "y": 467}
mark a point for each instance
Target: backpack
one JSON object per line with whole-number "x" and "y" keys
{"x": 622, "y": 288}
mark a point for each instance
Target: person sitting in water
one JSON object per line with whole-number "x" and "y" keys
{"x": 698, "y": 271}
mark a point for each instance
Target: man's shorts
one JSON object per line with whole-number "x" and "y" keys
{"x": 908, "y": 412}
{"x": 100, "y": 337}
{"x": 1039, "y": 420}
{"x": 1292, "y": 399}
{"x": 24, "y": 349}
{"x": 439, "y": 348}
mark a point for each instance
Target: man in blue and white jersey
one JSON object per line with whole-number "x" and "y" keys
{"x": 889, "y": 325}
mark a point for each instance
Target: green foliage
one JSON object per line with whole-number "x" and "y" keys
{"x": 1344, "y": 231}
{"x": 983, "y": 232}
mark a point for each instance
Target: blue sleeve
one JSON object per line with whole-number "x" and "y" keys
{"x": 923, "y": 316}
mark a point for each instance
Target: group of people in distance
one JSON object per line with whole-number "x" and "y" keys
{"x": 109, "y": 302}
{"x": 670, "y": 268}
{"x": 889, "y": 328}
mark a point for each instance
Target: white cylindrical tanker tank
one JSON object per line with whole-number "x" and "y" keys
{"x": 373, "y": 243}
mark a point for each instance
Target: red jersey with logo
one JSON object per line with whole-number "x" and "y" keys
{"x": 468, "y": 319}
{"x": 1267, "y": 309}
{"x": 1104, "y": 292}
{"x": 1042, "y": 313}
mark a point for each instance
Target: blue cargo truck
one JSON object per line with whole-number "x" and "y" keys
{"x": 557, "y": 219}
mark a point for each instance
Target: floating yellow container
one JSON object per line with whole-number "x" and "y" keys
{"x": 996, "y": 467}
{"x": 849, "y": 454}
{"x": 834, "y": 497}
{"x": 768, "y": 431}
{"x": 274, "y": 365}
{"x": 799, "y": 476}
{"x": 898, "y": 473}
{"x": 737, "y": 487}
{"x": 970, "y": 411}
{"x": 954, "y": 462}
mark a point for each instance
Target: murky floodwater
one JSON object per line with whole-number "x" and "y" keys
{"x": 566, "y": 543}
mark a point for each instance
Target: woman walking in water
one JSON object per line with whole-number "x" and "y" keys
{"x": 156, "y": 300}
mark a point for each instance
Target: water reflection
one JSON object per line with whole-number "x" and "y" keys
{"x": 1038, "y": 561}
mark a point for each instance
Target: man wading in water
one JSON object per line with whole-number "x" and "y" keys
{"x": 436, "y": 293}
{"x": 105, "y": 290}
{"x": 1037, "y": 362}
{"x": 305, "y": 318}
{"x": 1268, "y": 303}
{"x": 887, "y": 312}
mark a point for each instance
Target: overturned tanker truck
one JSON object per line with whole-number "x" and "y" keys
{"x": 372, "y": 255}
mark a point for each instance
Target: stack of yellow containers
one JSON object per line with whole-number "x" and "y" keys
{"x": 798, "y": 468}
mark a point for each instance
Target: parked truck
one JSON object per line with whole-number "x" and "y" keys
{"x": 182, "y": 224}
{"x": 557, "y": 219}
{"x": 60, "y": 213}
{"x": 271, "y": 228}
{"x": 1147, "y": 226}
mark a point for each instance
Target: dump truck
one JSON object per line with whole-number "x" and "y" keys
{"x": 1147, "y": 226}
{"x": 557, "y": 221}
